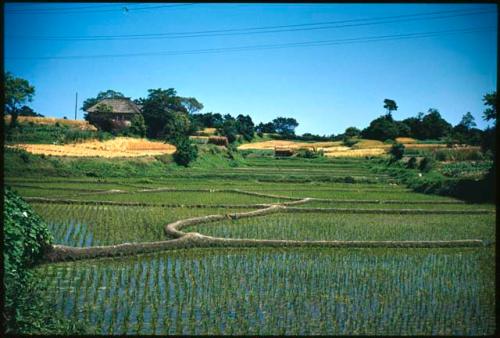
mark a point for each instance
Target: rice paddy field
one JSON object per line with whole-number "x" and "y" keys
{"x": 268, "y": 290}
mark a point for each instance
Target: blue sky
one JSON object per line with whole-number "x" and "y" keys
{"x": 327, "y": 88}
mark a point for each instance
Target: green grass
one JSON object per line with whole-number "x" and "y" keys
{"x": 364, "y": 194}
{"x": 403, "y": 205}
{"x": 27, "y": 132}
{"x": 180, "y": 197}
{"x": 299, "y": 292}
{"x": 180, "y": 182}
{"x": 333, "y": 226}
{"x": 88, "y": 225}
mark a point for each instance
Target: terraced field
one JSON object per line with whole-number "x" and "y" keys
{"x": 311, "y": 267}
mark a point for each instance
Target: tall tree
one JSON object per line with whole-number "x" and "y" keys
{"x": 468, "y": 121}
{"x": 245, "y": 126}
{"x": 285, "y": 125}
{"x": 434, "y": 126}
{"x": 490, "y": 100}
{"x": 382, "y": 128}
{"x": 177, "y": 126}
{"x": 488, "y": 141}
{"x": 191, "y": 104}
{"x": 352, "y": 132}
{"x": 390, "y": 105}
{"x": 158, "y": 110}
{"x": 27, "y": 111}
{"x": 18, "y": 91}
{"x": 229, "y": 128}
{"x": 265, "y": 128}
{"x": 415, "y": 126}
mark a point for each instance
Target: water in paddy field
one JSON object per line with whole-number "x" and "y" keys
{"x": 72, "y": 233}
{"x": 375, "y": 291}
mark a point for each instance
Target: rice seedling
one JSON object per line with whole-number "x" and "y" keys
{"x": 363, "y": 291}
{"x": 87, "y": 225}
{"x": 181, "y": 197}
{"x": 333, "y": 226}
{"x": 269, "y": 291}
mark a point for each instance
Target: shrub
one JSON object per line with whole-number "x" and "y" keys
{"x": 26, "y": 239}
{"x": 25, "y": 156}
{"x": 426, "y": 164}
{"x": 397, "y": 151}
{"x": 308, "y": 153}
{"x": 412, "y": 163}
{"x": 349, "y": 179}
{"x": 137, "y": 126}
{"x": 186, "y": 152}
{"x": 349, "y": 141}
{"x": 91, "y": 174}
{"x": 440, "y": 156}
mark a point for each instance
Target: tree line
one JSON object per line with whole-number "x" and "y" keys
{"x": 170, "y": 117}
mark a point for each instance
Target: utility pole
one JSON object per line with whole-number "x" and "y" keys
{"x": 76, "y": 104}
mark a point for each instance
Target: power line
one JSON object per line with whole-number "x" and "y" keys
{"x": 78, "y": 10}
{"x": 270, "y": 46}
{"x": 61, "y": 8}
{"x": 263, "y": 29}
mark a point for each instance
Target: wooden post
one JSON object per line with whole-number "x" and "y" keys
{"x": 76, "y": 104}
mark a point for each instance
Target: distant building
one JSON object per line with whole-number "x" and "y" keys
{"x": 121, "y": 109}
{"x": 283, "y": 152}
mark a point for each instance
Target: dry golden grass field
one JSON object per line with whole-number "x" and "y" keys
{"x": 336, "y": 149}
{"x": 206, "y": 132}
{"x": 118, "y": 147}
{"x": 80, "y": 124}
{"x": 405, "y": 140}
{"x": 270, "y": 145}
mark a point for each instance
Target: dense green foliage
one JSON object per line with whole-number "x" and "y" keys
{"x": 397, "y": 151}
{"x": 186, "y": 152}
{"x": 49, "y": 134}
{"x": 229, "y": 128}
{"x": 429, "y": 180}
{"x": 27, "y": 111}
{"x": 137, "y": 126}
{"x": 159, "y": 108}
{"x": 430, "y": 126}
{"x": 285, "y": 125}
{"x": 490, "y": 100}
{"x": 382, "y": 128}
{"x": 245, "y": 126}
{"x": 17, "y": 92}
{"x": 207, "y": 120}
{"x": 176, "y": 127}
{"x": 26, "y": 237}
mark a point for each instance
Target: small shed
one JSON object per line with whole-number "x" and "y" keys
{"x": 218, "y": 140}
{"x": 283, "y": 152}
